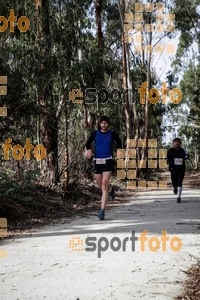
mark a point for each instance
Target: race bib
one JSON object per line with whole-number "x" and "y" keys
{"x": 100, "y": 161}
{"x": 178, "y": 161}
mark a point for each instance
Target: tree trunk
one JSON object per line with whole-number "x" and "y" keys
{"x": 99, "y": 23}
{"x": 146, "y": 108}
{"x": 48, "y": 120}
{"x": 66, "y": 173}
{"x": 126, "y": 79}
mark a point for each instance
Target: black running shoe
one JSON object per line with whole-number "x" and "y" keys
{"x": 179, "y": 200}
{"x": 175, "y": 190}
{"x": 101, "y": 214}
{"x": 111, "y": 194}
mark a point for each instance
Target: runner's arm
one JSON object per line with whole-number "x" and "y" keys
{"x": 170, "y": 159}
{"x": 90, "y": 140}
{"x": 168, "y": 156}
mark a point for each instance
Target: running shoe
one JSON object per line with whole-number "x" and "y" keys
{"x": 175, "y": 190}
{"x": 179, "y": 200}
{"x": 101, "y": 214}
{"x": 111, "y": 194}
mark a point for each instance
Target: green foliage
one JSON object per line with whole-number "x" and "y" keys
{"x": 13, "y": 189}
{"x": 60, "y": 52}
{"x": 188, "y": 23}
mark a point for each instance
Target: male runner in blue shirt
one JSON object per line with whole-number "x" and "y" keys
{"x": 103, "y": 141}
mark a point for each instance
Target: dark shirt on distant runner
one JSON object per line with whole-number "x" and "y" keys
{"x": 176, "y": 159}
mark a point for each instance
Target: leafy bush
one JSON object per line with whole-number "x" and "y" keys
{"x": 11, "y": 188}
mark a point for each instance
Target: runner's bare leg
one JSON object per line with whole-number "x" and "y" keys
{"x": 98, "y": 178}
{"x": 105, "y": 187}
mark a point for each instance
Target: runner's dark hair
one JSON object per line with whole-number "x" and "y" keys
{"x": 104, "y": 118}
{"x": 177, "y": 139}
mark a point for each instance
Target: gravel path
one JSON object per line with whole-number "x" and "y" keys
{"x": 43, "y": 266}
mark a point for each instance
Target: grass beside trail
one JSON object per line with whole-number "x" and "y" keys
{"x": 192, "y": 284}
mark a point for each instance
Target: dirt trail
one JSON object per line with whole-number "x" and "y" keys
{"x": 43, "y": 266}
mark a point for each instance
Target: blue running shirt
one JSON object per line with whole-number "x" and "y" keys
{"x": 103, "y": 143}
